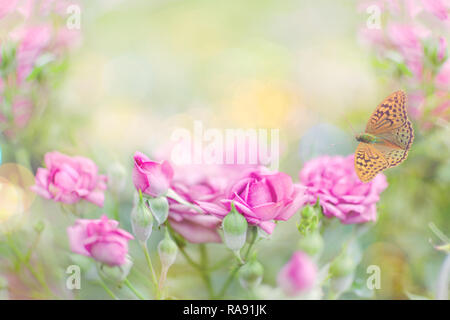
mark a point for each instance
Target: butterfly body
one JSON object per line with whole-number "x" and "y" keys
{"x": 387, "y": 139}
{"x": 367, "y": 138}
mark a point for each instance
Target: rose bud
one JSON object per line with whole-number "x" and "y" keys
{"x": 298, "y": 275}
{"x": 234, "y": 229}
{"x": 141, "y": 220}
{"x": 151, "y": 177}
{"x": 167, "y": 249}
{"x": 251, "y": 274}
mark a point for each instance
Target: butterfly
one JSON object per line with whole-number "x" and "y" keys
{"x": 386, "y": 140}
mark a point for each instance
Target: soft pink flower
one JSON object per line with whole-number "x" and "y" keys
{"x": 416, "y": 104}
{"x": 151, "y": 177}
{"x": 443, "y": 77}
{"x": 442, "y": 48}
{"x": 100, "y": 239}
{"x": 199, "y": 183}
{"x": 407, "y": 41}
{"x": 7, "y": 6}
{"x": 413, "y": 7}
{"x": 341, "y": 193}
{"x": 298, "y": 275}
{"x": 32, "y": 43}
{"x": 261, "y": 196}
{"x": 70, "y": 179}
{"x": 436, "y": 7}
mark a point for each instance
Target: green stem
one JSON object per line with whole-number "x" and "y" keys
{"x": 116, "y": 209}
{"x": 201, "y": 268}
{"x": 130, "y": 286}
{"x": 108, "y": 291}
{"x": 27, "y": 264}
{"x": 150, "y": 267}
{"x": 236, "y": 268}
{"x": 204, "y": 263}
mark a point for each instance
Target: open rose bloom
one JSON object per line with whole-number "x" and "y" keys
{"x": 341, "y": 194}
{"x": 261, "y": 196}
{"x": 70, "y": 179}
{"x": 100, "y": 239}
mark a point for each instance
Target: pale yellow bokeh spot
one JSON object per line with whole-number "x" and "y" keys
{"x": 11, "y": 200}
{"x": 261, "y": 103}
{"x": 21, "y": 178}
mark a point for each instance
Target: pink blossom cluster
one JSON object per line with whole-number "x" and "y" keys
{"x": 28, "y": 39}
{"x": 341, "y": 194}
{"x": 207, "y": 192}
{"x": 414, "y": 35}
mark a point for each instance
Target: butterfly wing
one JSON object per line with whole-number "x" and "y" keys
{"x": 396, "y": 144}
{"x": 390, "y": 114}
{"x": 369, "y": 161}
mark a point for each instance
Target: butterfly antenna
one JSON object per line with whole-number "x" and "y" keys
{"x": 350, "y": 125}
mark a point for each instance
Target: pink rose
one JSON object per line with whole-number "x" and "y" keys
{"x": 298, "y": 275}
{"x": 199, "y": 183}
{"x": 33, "y": 41}
{"x": 436, "y": 7}
{"x": 341, "y": 193}
{"x": 70, "y": 179}
{"x": 407, "y": 39}
{"x": 443, "y": 77}
{"x": 100, "y": 239}
{"x": 151, "y": 177}
{"x": 22, "y": 109}
{"x": 7, "y": 6}
{"x": 442, "y": 48}
{"x": 261, "y": 196}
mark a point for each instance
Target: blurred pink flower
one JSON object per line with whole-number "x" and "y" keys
{"x": 341, "y": 193}
{"x": 407, "y": 40}
{"x": 100, "y": 239}
{"x": 70, "y": 179}
{"x": 443, "y": 77}
{"x": 436, "y": 7}
{"x": 298, "y": 275}
{"x": 416, "y": 103}
{"x": 193, "y": 226}
{"x": 151, "y": 177}
{"x": 261, "y": 196}
{"x": 7, "y": 6}
{"x": 442, "y": 48}
{"x": 66, "y": 39}
{"x": 32, "y": 43}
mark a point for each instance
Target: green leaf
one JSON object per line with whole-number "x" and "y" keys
{"x": 159, "y": 208}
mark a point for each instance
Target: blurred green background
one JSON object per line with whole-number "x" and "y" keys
{"x": 146, "y": 68}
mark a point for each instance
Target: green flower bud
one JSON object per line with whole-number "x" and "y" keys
{"x": 310, "y": 217}
{"x": 234, "y": 229}
{"x": 251, "y": 274}
{"x": 116, "y": 274}
{"x": 141, "y": 220}
{"x": 312, "y": 243}
{"x": 167, "y": 249}
{"x": 342, "y": 266}
{"x": 308, "y": 212}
